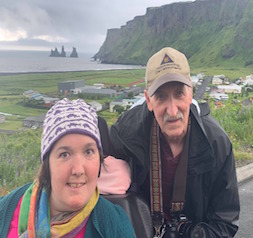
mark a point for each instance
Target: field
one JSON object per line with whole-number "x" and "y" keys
{"x": 20, "y": 152}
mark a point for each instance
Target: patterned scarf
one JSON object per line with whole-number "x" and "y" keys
{"x": 35, "y": 221}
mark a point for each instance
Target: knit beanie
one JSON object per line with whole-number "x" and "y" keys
{"x": 66, "y": 117}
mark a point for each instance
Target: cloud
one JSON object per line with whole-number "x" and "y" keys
{"x": 5, "y": 34}
{"x": 79, "y": 23}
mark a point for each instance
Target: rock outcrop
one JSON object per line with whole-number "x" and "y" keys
{"x": 55, "y": 52}
{"x": 74, "y": 53}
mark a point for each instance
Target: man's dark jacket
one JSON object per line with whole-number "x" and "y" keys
{"x": 211, "y": 192}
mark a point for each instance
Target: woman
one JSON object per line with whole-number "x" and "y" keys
{"x": 64, "y": 200}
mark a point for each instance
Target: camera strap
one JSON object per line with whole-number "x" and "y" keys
{"x": 178, "y": 196}
{"x": 156, "y": 182}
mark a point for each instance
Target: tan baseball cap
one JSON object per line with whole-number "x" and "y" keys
{"x": 167, "y": 65}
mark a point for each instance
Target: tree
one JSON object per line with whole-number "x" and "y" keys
{"x": 119, "y": 109}
{"x": 130, "y": 95}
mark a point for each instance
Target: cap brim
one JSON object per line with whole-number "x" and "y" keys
{"x": 166, "y": 78}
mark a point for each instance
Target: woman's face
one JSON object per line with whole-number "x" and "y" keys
{"x": 74, "y": 166}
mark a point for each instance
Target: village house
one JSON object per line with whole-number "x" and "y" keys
{"x": 35, "y": 96}
{"x": 76, "y": 91}
{"x": 200, "y": 76}
{"x": 232, "y": 88}
{"x": 125, "y": 103}
{"x": 99, "y": 85}
{"x": 29, "y": 92}
{"x": 97, "y": 89}
{"x": 194, "y": 80}
{"x": 134, "y": 90}
{"x": 96, "y": 105}
{"x": 85, "y": 88}
{"x": 219, "y": 96}
{"x": 49, "y": 101}
{"x": 67, "y": 86}
{"x": 129, "y": 102}
{"x": 218, "y": 79}
{"x": 248, "y": 80}
{"x": 34, "y": 122}
{"x": 101, "y": 92}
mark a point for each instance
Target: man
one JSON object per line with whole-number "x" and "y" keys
{"x": 181, "y": 160}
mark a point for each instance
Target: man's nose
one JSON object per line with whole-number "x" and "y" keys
{"x": 171, "y": 107}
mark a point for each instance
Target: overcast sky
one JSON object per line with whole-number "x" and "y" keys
{"x": 45, "y": 24}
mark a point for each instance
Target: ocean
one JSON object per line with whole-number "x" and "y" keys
{"x": 39, "y": 61}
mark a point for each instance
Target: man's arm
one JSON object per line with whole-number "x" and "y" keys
{"x": 223, "y": 208}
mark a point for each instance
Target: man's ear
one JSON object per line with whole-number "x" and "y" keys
{"x": 191, "y": 93}
{"x": 148, "y": 100}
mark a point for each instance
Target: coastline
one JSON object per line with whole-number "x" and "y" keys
{"x": 42, "y": 72}
{"x": 65, "y": 71}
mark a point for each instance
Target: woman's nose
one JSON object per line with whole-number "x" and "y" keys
{"x": 78, "y": 165}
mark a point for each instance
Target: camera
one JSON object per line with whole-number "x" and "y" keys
{"x": 177, "y": 227}
{"x": 180, "y": 226}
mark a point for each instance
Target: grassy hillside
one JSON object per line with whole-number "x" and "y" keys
{"x": 210, "y": 33}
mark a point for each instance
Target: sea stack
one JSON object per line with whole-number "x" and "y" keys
{"x": 74, "y": 53}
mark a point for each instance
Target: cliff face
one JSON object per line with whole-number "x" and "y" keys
{"x": 209, "y": 32}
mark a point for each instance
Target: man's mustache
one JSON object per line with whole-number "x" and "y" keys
{"x": 168, "y": 118}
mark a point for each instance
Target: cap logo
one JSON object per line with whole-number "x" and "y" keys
{"x": 166, "y": 59}
{"x": 167, "y": 64}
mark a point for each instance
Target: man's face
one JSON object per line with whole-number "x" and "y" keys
{"x": 171, "y": 106}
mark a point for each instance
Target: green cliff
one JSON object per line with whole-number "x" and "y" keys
{"x": 209, "y": 32}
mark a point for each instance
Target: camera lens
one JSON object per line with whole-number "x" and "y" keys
{"x": 198, "y": 232}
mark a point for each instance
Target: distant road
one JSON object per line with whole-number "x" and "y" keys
{"x": 201, "y": 89}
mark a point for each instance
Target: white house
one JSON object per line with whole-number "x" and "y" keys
{"x": 232, "y": 88}
{"x": 248, "y": 80}
{"x": 249, "y": 77}
{"x": 218, "y": 79}
{"x": 201, "y": 76}
{"x": 126, "y": 103}
{"x": 96, "y": 105}
{"x": 99, "y": 85}
{"x": 194, "y": 80}
{"x": 76, "y": 90}
{"x": 129, "y": 102}
{"x": 219, "y": 96}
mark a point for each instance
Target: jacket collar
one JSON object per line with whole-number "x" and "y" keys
{"x": 201, "y": 155}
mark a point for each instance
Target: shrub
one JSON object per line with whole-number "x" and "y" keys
{"x": 19, "y": 159}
